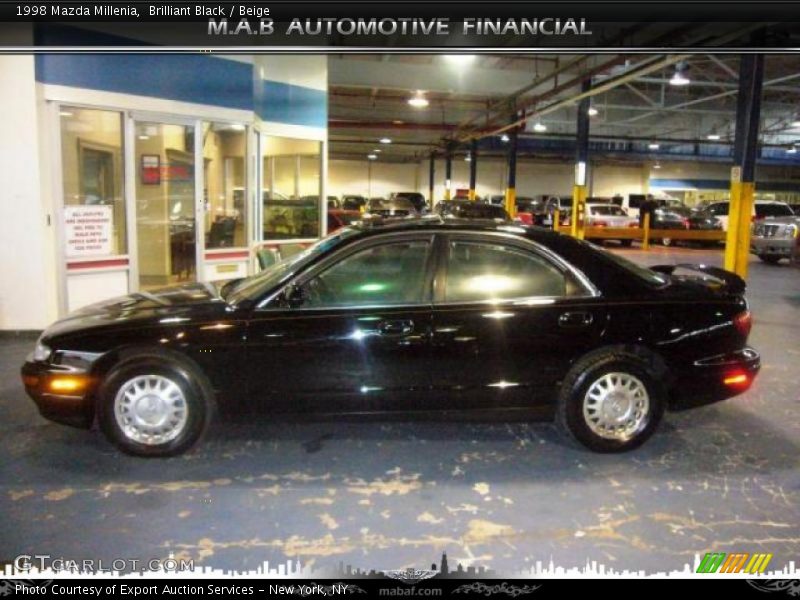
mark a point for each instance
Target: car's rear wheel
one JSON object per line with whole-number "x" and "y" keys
{"x": 770, "y": 259}
{"x": 154, "y": 406}
{"x": 611, "y": 401}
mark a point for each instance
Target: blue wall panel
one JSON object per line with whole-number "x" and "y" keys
{"x": 294, "y": 104}
{"x": 185, "y": 78}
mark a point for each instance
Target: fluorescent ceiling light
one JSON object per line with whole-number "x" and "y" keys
{"x": 468, "y": 158}
{"x": 372, "y": 156}
{"x": 592, "y": 112}
{"x": 713, "y": 137}
{"x": 385, "y": 140}
{"x": 418, "y": 100}
{"x": 540, "y": 127}
{"x": 653, "y": 146}
{"x": 460, "y": 60}
{"x": 377, "y": 150}
{"x": 64, "y": 113}
{"x": 504, "y": 137}
{"x": 656, "y": 166}
{"x": 679, "y": 79}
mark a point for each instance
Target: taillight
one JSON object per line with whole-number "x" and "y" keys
{"x": 743, "y": 322}
{"x": 599, "y": 224}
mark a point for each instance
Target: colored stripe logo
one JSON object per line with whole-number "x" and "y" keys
{"x": 737, "y": 562}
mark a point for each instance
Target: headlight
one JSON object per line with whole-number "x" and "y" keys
{"x": 41, "y": 352}
{"x": 791, "y": 231}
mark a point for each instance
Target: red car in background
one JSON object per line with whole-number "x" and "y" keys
{"x": 338, "y": 218}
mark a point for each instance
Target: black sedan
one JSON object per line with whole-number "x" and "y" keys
{"x": 413, "y": 315}
{"x": 681, "y": 217}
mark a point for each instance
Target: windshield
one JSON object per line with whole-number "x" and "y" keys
{"x": 252, "y": 288}
{"x": 773, "y": 210}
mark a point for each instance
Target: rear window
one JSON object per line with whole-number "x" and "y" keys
{"x": 773, "y": 210}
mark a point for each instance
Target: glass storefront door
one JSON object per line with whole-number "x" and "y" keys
{"x": 166, "y": 228}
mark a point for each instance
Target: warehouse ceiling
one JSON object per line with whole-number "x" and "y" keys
{"x": 476, "y": 96}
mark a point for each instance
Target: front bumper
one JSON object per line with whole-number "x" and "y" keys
{"x": 75, "y": 408}
{"x": 772, "y": 246}
{"x": 715, "y": 378}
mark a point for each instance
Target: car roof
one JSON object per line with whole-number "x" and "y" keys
{"x": 436, "y": 223}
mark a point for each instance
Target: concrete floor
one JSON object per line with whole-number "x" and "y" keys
{"x": 387, "y": 495}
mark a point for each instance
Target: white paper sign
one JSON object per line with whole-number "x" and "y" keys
{"x": 88, "y": 230}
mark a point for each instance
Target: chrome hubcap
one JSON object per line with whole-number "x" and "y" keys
{"x": 616, "y": 406}
{"x": 150, "y": 409}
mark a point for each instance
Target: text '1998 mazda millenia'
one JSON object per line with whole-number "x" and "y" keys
{"x": 406, "y": 316}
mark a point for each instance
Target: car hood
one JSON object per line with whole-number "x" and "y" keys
{"x": 163, "y": 305}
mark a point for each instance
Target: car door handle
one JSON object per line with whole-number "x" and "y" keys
{"x": 396, "y": 327}
{"x": 575, "y": 319}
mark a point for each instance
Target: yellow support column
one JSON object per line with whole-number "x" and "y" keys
{"x": 578, "y": 211}
{"x": 556, "y": 219}
{"x": 737, "y": 243}
{"x": 511, "y": 202}
{"x": 733, "y": 225}
{"x": 646, "y": 234}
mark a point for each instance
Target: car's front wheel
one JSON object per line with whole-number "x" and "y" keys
{"x": 611, "y": 402}
{"x": 154, "y": 406}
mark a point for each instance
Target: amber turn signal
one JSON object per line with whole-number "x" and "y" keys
{"x": 67, "y": 384}
{"x": 736, "y": 379}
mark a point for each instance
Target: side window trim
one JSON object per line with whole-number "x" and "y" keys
{"x": 586, "y": 289}
{"x": 345, "y": 253}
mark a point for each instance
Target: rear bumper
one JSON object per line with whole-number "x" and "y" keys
{"x": 772, "y": 246}
{"x": 715, "y": 378}
{"x": 73, "y": 408}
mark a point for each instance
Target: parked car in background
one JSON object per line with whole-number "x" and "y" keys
{"x": 521, "y": 318}
{"x": 353, "y": 202}
{"x": 393, "y": 208}
{"x": 610, "y": 215}
{"x": 775, "y": 239}
{"x": 680, "y": 217}
{"x": 762, "y": 209}
{"x": 417, "y": 199}
{"x": 468, "y": 209}
{"x": 338, "y": 218}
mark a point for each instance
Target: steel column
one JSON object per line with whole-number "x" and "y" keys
{"x": 511, "y": 187}
{"x": 448, "y": 172}
{"x": 431, "y": 179}
{"x": 473, "y": 167}
{"x": 579, "y": 190}
{"x": 745, "y": 152}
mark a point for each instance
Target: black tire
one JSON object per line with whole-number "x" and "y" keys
{"x": 770, "y": 259}
{"x": 570, "y": 414}
{"x": 195, "y": 390}
{"x": 626, "y": 243}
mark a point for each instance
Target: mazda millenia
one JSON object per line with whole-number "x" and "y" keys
{"x": 406, "y": 316}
